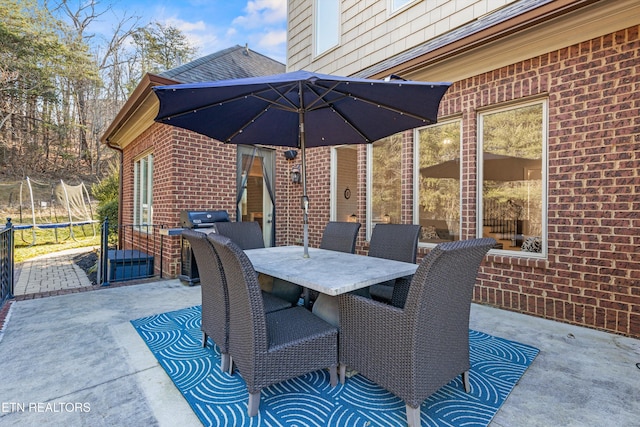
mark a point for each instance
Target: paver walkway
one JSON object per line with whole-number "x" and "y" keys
{"x": 51, "y": 272}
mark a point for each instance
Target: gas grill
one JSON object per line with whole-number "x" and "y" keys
{"x": 202, "y": 221}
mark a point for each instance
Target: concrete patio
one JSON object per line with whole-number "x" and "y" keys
{"x": 75, "y": 359}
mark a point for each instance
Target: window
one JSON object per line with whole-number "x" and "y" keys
{"x": 512, "y": 182}
{"x": 143, "y": 192}
{"x": 327, "y": 25}
{"x": 384, "y": 181}
{"x": 438, "y": 188}
{"x": 395, "y": 5}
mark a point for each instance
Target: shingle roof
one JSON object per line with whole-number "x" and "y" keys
{"x": 483, "y": 22}
{"x": 232, "y": 63}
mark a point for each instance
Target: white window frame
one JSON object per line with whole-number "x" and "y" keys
{"x": 369, "y": 188}
{"x": 368, "y": 201}
{"x": 544, "y": 173}
{"x": 333, "y": 184}
{"x": 416, "y": 175}
{"x": 392, "y": 8}
{"x": 145, "y": 160}
{"x": 319, "y": 27}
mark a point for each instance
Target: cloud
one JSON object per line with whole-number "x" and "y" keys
{"x": 272, "y": 39}
{"x": 185, "y": 26}
{"x": 263, "y": 27}
{"x": 262, "y": 12}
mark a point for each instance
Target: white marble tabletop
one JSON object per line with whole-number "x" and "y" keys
{"x": 329, "y": 272}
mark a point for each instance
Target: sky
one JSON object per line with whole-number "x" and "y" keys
{"x": 211, "y": 25}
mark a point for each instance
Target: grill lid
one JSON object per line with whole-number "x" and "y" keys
{"x": 202, "y": 219}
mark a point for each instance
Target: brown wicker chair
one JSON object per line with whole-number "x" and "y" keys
{"x": 340, "y": 236}
{"x": 269, "y": 348}
{"x": 215, "y": 301}
{"x": 398, "y": 242}
{"x": 248, "y": 235}
{"x": 415, "y": 350}
{"x": 337, "y": 236}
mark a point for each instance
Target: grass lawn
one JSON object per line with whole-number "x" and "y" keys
{"x": 45, "y": 241}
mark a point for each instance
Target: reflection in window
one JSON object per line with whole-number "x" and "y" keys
{"x": 386, "y": 180}
{"x": 327, "y": 25}
{"x": 438, "y": 198}
{"x": 512, "y": 183}
{"x": 397, "y": 4}
{"x": 143, "y": 192}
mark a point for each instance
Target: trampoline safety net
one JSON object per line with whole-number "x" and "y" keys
{"x": 35, "y": 205}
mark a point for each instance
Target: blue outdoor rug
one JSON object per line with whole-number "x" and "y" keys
{"x": 219, "y": 399}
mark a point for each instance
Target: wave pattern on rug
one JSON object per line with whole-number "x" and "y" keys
{"x": 220, "y": 399}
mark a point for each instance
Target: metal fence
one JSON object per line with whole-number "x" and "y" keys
{"x": 6, "y": 262}
{"x": 129, "y": 252}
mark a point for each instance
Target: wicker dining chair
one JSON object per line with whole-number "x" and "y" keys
{"x": 337, "y": 236}
{"x": 340, "y": 236}
{"x": 248, "y": 235}
{"x": 269, "y": 348}
{"x": 215, "y": 301}
{"x": 415, "y": 350}
{"x": 398, "y": 242}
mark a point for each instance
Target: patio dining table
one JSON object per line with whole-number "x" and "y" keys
{"x": 329, "y": 272}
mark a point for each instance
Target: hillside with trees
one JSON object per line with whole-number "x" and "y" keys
{"x": 61, "y": 85}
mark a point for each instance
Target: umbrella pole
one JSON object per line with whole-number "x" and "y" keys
{"x": 305, "y": 198}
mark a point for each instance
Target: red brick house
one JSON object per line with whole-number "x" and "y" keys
{"x": 537, "y": 145}
{"x": 165, "y": 170}
{"x": 550, "y": 90}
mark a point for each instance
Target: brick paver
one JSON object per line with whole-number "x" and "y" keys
{"x": 50, "y": 273}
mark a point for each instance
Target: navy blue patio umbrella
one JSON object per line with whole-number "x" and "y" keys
{"x": 300, "y": 109}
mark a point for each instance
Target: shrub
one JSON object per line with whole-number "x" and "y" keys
{"x": 106, "y": 192}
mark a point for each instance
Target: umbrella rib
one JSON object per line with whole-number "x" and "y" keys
{"x": 394, "y": 109}
{"x": 247, "y": 124}
{"x": 381, "y": 104}
{"x": 320, "y": 96}
{"x": 238, "y": 98}
{"x": 330, "y": 104}
{"x": 281, "y": 95}
{"x": 354, "y": 127}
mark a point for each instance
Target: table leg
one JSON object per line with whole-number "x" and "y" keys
{"x": 306, "y": 298}
{"x": 326, "y": 308}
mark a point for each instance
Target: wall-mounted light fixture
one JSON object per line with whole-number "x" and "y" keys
{"x": 296, "y": 176}
{"x": 290, "y": 154}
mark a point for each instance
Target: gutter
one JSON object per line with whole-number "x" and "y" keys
{"x": 438, "y": 49}
{"x": 128, "y": 110}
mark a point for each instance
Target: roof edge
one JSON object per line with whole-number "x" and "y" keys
{"x": 137, "y": 97}
{"x": 509, "y": 26}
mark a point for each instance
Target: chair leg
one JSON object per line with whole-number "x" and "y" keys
{"x": 333, "y": 375}
{"x": 254, "y": 404}
{"x": 413, "y": 416}
{"x": 230, "y": 365}
{"x": 343, "y": 372}
{"x": 465, "y": 381}
{"x": 204, "y": 340}
{"x": 225, "y": 361}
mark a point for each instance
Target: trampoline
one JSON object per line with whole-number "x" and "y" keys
{"x": 33, "y": 205}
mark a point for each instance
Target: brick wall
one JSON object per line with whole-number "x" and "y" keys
{"x": 592, "y": 274}
{"x": 191, "y": 172}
